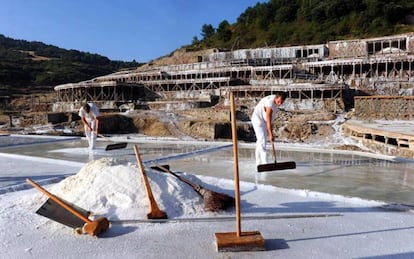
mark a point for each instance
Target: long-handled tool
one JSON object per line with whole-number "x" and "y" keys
{"x": 238, "y": 241}
{"x": 213, "y": 201}
{"x": 155, "y": 212}
{"x": 276, "y": 166}
{"x": 113, "y": 146}
{"x": 93, "y": 228}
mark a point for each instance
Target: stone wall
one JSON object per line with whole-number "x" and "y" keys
{"x": 384, "y": 107}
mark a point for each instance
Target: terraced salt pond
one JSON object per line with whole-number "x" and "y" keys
{"x": 347, "y": 173}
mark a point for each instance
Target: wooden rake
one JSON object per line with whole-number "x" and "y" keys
{"x": 113, "y": 146}
{"x": 155, "y": 212}
{"x": 276, "y": 165}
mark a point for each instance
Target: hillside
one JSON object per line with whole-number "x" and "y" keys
{"x": 297, "y": 22}
{"x": 27, "y": 66}
{"x": 30, "y": 66}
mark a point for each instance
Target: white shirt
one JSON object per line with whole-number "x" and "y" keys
{"x": 260, "y": 112}
{"x": 92, "y": 115}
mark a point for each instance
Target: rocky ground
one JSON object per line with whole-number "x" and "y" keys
{"x": 202, "y": 124}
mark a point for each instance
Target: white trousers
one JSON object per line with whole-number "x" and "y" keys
{"x": 91, "y": 135}
{"x": 260, "y": 130}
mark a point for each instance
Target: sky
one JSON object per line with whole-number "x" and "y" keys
{"x": 120, "y": 30}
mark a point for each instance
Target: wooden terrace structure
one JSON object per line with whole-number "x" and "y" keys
{"x": 313, "y": 72}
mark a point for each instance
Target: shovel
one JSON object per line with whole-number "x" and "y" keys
{"x": 276, "y": 166}
{"x": 93, "y": 228}
{"x": 113, "y": 146}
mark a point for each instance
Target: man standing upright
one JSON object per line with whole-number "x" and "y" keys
{"x": 89, "y": 115}
{"x": 262, "y": 120}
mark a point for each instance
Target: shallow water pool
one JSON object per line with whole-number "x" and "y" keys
{"x": 336, "y": 172}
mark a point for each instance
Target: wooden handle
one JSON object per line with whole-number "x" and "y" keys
{"x": 274, "y": 151}
{"x": 97, "y": 126}
{"x": 236, "y": 164}
{"x": 153, "y": 203}
{"x": 193, "y": 185}
{"x": 59, "y": 201}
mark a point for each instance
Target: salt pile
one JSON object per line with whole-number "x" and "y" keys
{"x": 114, "y": 189}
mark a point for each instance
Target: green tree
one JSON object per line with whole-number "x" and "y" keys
{"x": 207, "y": 31}
{"x": 394, "y": 12}
{"x": 195, "y": 40}
{"x": 223, "y": 31}
{"x": 284, "y": 10}
{"x": 287, "y": 22}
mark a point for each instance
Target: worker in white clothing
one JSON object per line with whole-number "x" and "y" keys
{"x": 89, "y": 115}
{"x": 262, "y": 120}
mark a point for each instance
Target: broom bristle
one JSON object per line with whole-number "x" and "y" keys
{"x": 214, "y": 201}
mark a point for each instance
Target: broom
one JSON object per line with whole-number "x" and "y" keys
{"x": 213, "y": 201}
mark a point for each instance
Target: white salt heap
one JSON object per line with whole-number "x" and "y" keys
{"x": 114, "y": 189}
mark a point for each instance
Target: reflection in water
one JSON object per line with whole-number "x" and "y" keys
{"x": 91, "y": 155}
{"x": 332, "y": 172}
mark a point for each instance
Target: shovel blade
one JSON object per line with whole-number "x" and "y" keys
{"x": 50, "y": 209}
{"x": 276, "y": 166}
{"x": 116, "y": 146}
